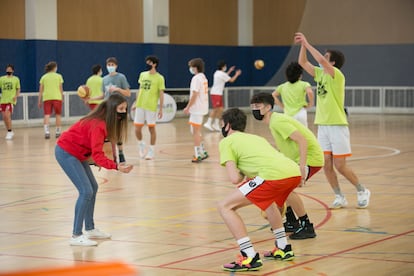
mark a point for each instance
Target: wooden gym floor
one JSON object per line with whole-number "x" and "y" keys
{"x": 163, "y": 215}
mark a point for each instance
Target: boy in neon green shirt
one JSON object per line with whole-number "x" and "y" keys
{"x": 264, "y": 177}
{"x": 10, "y": 90}
{"x": 94, "y": 83}
{"x": 333, "y": 131}
{"x": 293, "y": 93}
{"x": 151, "y": 90}
{"x": 299, "y": 144}
{"x": 51, "y": 96}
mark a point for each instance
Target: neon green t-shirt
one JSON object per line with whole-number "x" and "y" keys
{"x": 51, "y": 86}
{"x": 150, "y": 86}
{"x": 282, "y": 126}
{"x": 293, "y": 96}
{"x": 254, "y": 156}
{"x": 330, "y": 98}
{"x": 9, "y": 86}
{"x": 95, "y": 86}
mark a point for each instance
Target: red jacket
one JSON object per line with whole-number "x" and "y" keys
{"x": 85, "y": 139}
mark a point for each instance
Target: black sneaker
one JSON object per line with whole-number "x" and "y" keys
{"x": 121, "y": 158}
{"x": 47, "y": 135}
{"x": 57, "y": 134}
{"x": 291, "y": 227}
{"x": 244, "y": 263}
{"x": 304, "y": 232}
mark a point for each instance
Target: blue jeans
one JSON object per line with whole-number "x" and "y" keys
{"x": 81, "y": 175}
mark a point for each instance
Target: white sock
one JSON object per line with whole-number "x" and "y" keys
{"x": 209, "y": 121}
{"x": 280, "y": 235}
{"x": 196, "y": 151}
{"x": 46, "y": 128}
{"x": 151, "y": 148}
{"x": 247, "y": 247}
{"x": 216, "y": 122}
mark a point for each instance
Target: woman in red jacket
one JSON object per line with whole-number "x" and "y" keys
{"x": 75, "y": 146}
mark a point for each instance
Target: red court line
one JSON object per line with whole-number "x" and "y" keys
{"x": 340, "y": 252}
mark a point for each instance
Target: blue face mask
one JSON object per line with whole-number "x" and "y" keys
{"x": 320, "y": 65}
{"x": 110, "y": 69}
{"x": 191, "y": 69}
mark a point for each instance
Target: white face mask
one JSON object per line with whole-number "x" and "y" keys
{"x": 110, "y": 69}
{"x": 224, "y": 69}
{"x": 191, "y": 69}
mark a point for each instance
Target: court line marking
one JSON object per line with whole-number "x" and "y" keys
{"x": 394, "y": 151}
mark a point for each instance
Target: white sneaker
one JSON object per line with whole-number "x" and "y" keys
{"x": 363, "y": 198}
{"x": 208, "y": 126}
{"x": 97, "y": 234}
{"x": 9, "y": 135}
{"x": 216, "y": 127}
{"x": 142, "y": 149}
{"x": 150, "y": 155}
{"x": 339, "y": 202}
{"x": 82, "y": 240}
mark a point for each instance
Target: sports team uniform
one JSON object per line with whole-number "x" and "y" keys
{"x": 333, "y": 131}
{"x": 52, "y": 96}
{"x": 150, "y": 87}
{"x": 9, "y": 86}
{"x": 294, "y": 99}
{"x": 95, "y": 86}
{"x": 272, "y": 176}
{"x": 199, "y": 86}
{"x": 216, "y": 93}
{"x": 282, "y": 126}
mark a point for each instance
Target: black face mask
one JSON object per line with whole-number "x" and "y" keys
{"x": 223, "y": 131}
{"x": 148, "y": 66}
{"x": 257, "y": 115}
{"x": 121, "y": 115}
{"x": 9, "y": 73}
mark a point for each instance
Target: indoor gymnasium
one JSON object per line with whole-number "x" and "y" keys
{"x": 206, "y": 137}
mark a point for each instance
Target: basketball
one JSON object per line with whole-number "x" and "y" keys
{"x": 259, "y": 64}
{"x": 83, "y": 91}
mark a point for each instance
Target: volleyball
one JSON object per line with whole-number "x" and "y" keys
{"x": 259, "y": 64}
{"x": 83, "y": 91}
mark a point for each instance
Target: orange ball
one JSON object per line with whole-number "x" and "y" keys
{"x": 259, "y": 64}
{"x": 83, "y": 91}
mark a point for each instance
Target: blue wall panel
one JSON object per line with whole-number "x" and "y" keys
{"x": 366, "y": 65}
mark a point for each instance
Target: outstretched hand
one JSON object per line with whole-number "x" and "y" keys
{"x": 300, "y": 38}
{"x": 125, "y": 168}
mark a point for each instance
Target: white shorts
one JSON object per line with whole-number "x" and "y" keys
{"x": 302, "y": 117}
{"x": 196, "y": 119}
{"x": 142, "y": 115}
{"x": 335, "y": 140}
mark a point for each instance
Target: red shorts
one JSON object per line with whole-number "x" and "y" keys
{"x": 270, "y": 191}
{"x": 92, "y": 106}
{"x": 50, "y": 105}
{"x": 6, "y": 107}
{"x": 216, "y": 100}
{"x": 312, "y": 171}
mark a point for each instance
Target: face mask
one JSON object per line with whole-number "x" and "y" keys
{"x": 121, "y": 115}
{"x": 148, "y": 67}
{"x": 110, "y": 69}
{"x": 224, "y": 69}
{"x": 257, "y": 115}
{"x": 9, "y": 73}
{"x": 223, "y": 131}
{"x": 320, "y": 65}
{"x": 191, "y": 69}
